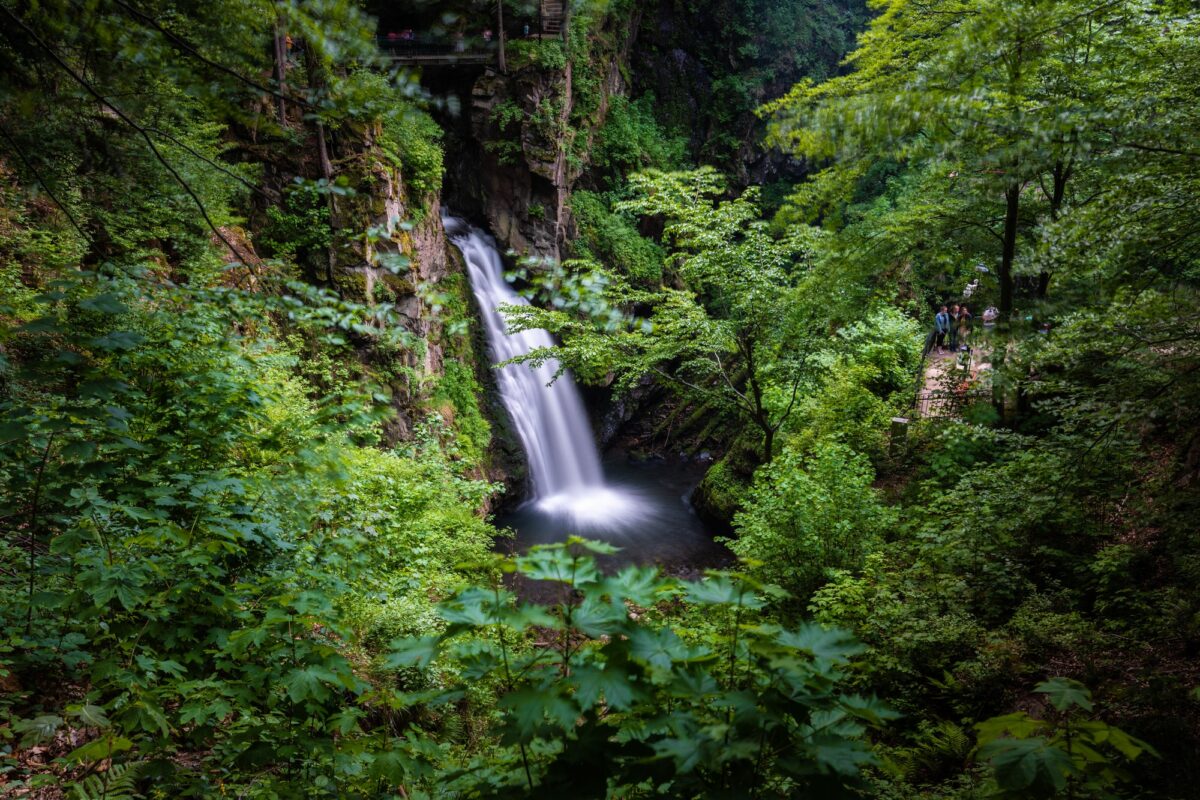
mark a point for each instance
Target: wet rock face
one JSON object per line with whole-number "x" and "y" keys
{"x": 523, "y": 184}
{"x": 531, "y": 138}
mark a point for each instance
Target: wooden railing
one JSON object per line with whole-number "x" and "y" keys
{"x": 943, "y": 404}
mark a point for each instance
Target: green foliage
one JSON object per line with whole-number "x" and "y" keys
{"x": 205, "y": 549}
{"x": 810, "y": 516}
{"x": 461, "y": 391}
{"x": 611, "y": 701}
{"x": 632, "y": 139}
{"x": 613, "y": 241}
{"x": 546, "y": 54}
{"x": 413, "y": 139}
{"x": 176, "y": 465}
{"x": 1064, "y": 754}
{"x": 118, "y": 782}
{"x": 867, "y": 379}
{"x": 203, "y": 540}
{"x": 742, "y": 337}
{"x": 298, "y": 229}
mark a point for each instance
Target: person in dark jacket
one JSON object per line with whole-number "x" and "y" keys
{"x": 954, "y": 315}
{"x": 965, "y": 320}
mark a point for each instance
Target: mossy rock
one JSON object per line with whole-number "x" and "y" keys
{"x": 725, "y": 486}
{"x": 352, "y": 286}
{"x": 720, "y": 494}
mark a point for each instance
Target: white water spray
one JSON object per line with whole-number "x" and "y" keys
{"x": 564, "y": 464}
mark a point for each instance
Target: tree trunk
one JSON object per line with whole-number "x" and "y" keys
{"x": 500, "y": 33}
{"x": 281, "y": 70}
{"x": 1057, "y": 192}
{"x": 1012, "y": 198}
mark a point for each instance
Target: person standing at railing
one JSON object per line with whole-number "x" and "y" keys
{"x": 941, "y": 325}
{"x": 953, "y": 331}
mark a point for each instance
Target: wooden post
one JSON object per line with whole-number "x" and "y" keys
{"x": 899, "y": 439}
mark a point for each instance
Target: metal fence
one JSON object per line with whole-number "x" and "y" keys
{"x": 444, "y": 50}
{"x": 942, "y": 404}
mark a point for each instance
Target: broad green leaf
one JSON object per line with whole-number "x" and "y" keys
{"x": 528, "y": 709}
{"x": 98, "y": 749}
{"x": 1064, "y": 693}
{"x": 412, "y": 652}
{"x": 616, "y": 685}
{"x": 1020, "y": 764}
{"x": 308, "y": 683}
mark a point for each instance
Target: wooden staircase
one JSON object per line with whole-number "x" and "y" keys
{"x": 553, "y": 16}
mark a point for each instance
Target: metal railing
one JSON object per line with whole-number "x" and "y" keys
{"x": 445, "y": 51}
{"x": 946, "y": 404}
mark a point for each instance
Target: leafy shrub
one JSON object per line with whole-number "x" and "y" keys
{"x": 414, "y": 140}
{"x": 613, "y": 240}
{"x": 809, "y": 515}
{"x": 632, "y": 139}
{"x": 299, "y": 227}
{"x": 459, "y": 388}
{"x": 207, "y": 548}
{"x": 547, "y": 54}
{"x": 602, "y": 698}
{"x": 1066, "y": 753}
{"x": 888, "y": 341}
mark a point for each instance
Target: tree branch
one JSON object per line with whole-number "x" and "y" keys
{"x": 185, "y": 47}
{"x": 45, "y": 186}
{"x": 214, "y": 164}
{"x": 128, "y": 121}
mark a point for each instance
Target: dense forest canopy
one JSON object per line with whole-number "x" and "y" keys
{"x": 917, "y": 283}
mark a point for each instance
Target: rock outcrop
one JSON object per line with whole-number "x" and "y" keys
{"x": 533, "y": 128}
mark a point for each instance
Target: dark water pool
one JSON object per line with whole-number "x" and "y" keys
{"x": 645, "y": 512}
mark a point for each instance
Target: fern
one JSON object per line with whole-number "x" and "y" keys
{"x": 119, "y": 782}
{"x": 937, "y": 746}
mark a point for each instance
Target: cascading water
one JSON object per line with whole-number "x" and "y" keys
{"x": 548, "y": 414}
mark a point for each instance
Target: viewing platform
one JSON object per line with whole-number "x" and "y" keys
{"x": 472, "y": 45}
{"x": 418, "y": 54}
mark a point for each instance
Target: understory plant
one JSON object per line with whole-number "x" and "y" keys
{"x": 600, "y": 697}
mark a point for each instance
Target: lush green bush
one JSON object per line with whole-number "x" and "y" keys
{"x": 609, "y": 701}
{"x": 632, "y": 139}
{"x": 297, "y": 229}
{"x": 205, "y": 551}
{"x": 547, "y": 54}
{"x": 459, "y": 389}
{"x": 414, "y": 140}
{"x": 810, "y": 516}
{"x": 613, "y": 240}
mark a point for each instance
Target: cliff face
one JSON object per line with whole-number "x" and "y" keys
{"x": 388, "y": 251}
{"x": 528, "y": 133}
{"x": 710, "y": 64}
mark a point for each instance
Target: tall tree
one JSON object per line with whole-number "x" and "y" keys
{"x": 994, "y": 96}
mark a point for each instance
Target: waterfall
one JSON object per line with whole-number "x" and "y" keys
{"x": 549, "y": 418}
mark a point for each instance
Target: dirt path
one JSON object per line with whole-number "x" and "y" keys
{"x": 943, "y": 378}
